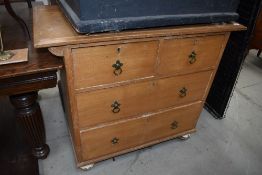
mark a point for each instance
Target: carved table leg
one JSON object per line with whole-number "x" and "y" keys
{"x": 29, "y": 114}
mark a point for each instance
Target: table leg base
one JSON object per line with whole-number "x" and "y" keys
{"x": 28, "y": 113}
{"x": 41, "y": 152}
{"x": 184, "y": 137}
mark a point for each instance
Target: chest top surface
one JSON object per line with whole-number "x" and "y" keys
{"x": 52, "y": 29}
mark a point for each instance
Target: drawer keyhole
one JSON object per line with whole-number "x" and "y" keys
{"x": 192, "y": 57}
{"x": 116, "y": 107}
{"x": 115, "y": 140}
{"x": 118, "y": 67}
{"x": 183, "y": 92}
{"x": 174, "y": 125}
{"x": 118, "y": 50}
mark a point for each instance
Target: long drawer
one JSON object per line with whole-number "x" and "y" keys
{"x": 113, "y": 63}
{"x": 110, "y": 139}
{"x": 112, "y": 104}
{"x": 189, "y": 54}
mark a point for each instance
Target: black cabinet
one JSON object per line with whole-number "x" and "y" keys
{"x": 232, "y": 60}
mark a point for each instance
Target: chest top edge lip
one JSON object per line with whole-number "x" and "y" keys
{"x": 136, "y": 40}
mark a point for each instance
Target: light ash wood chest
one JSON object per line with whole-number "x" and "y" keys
{"x": 128, "y": 90}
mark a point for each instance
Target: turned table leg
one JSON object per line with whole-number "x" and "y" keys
{"x": 29, "y": 114}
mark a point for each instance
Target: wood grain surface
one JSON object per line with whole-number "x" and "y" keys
{"x": 98, "y": 142}
{"x": 95, "y": 107}
{"x": 20, "y": 55}
{"x": 94, "y": 65}
{"x": 174, "y": 54}
{"x": 110, "y": 139}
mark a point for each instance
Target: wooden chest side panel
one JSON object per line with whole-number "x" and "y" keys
{"x": 70, "y": 103}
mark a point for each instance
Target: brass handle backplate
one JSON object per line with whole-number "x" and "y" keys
{"x": 115, "y": 140}
{"x": 118, "y": 68}
{"x": 183, "y": 92}
{"x": 116, "y": 107}
{"x": 174, "y": 125}
{"x": 192, "y": 57}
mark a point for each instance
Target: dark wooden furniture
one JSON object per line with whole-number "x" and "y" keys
{"x": 8, "y": 6}
{"x": 127, "y": 90}
{"x": 232, "y": 60}
{"x": 22, "y": 81}
{"x": 256, "y": 39}
{"x": 15, "y": 153}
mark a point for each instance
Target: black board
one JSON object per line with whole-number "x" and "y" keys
{"x": 88, "y": 16}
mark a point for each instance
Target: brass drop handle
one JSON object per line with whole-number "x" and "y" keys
{"x": 174, "y": 125}
{"x": 192, "y": 57}
{"x": 183, "y": 92}
{"x": 116, "y": 107}
{"x": 115, "y": 140}
{"x": 118, "y": 68}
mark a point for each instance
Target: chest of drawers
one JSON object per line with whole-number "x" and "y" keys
{"x": 128, "y": 90}
{"x": 134, "y": 93}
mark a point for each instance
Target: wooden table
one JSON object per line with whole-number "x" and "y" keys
{"x": 22, "y": 81}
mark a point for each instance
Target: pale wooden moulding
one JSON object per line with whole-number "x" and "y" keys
{"x": 57, "y": 51}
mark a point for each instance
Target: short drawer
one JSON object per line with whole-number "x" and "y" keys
{"x": 189, "y": 54}
{"x": 112, "y": 138}
{"x": 112, "y": 104}
{"x": 113, "y": 63}
{"x": 173, "y": 121}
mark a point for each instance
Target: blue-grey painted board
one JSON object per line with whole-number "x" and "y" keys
{"x": 89, "y": 16}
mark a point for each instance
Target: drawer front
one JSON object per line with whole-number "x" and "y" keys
{"x": 113, "y": 63}
{"x": 116, "y": 103}
{"x": 110, "y": 139}
{"x": 171, "y": 122}
{"x": 189, "y": 54}
{"x": 113, "y": 138}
